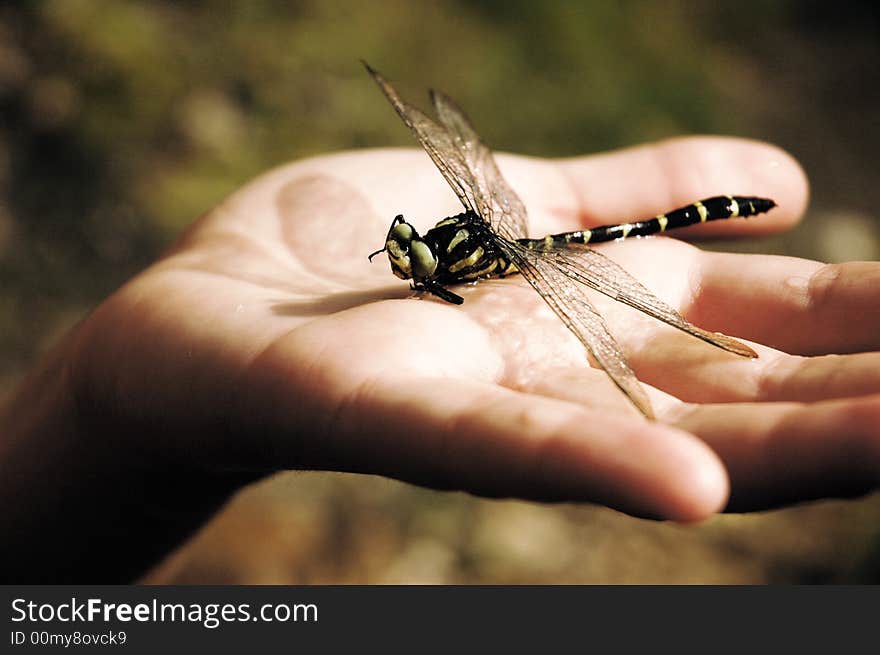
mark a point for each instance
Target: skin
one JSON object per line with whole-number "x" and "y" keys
{"x": 265, "y": 340}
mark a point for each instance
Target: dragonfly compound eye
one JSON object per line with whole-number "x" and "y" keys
{"x": 424, "y": 261}
{"x": 403, "y": 233}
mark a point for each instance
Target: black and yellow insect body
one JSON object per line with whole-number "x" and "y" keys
{"x": 489, "y": 239}
{"x": 457, "y": 249}
{"x": 710, "y": 209}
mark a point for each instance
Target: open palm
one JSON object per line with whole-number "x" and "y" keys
{"x": 265, "y": 340}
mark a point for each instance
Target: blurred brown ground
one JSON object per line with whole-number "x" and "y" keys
{"x": 123, "y": 121}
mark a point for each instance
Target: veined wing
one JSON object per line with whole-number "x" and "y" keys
{"x": 595, "y": 270}
{"x": 463, "y": 160}
{"x": 557, "y": 289}
{"x": 440, "y": 145}
{"x": 497, "y": 203}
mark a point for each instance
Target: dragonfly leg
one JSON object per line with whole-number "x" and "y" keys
{"x": 438, "y": 290}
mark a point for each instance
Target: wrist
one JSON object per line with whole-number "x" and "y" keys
{"x": 79, "y": 499}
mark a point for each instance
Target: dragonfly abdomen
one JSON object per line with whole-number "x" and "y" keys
{"x": 710, "y": 209}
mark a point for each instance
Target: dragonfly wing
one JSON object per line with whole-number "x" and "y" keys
{"x": 440, "y": 145}
{"x": 578, "y": 314}
{"x": 595, "y": 270}
{"x": 497, "y": 203}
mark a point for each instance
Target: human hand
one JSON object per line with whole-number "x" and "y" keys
{"x": 265, "y": 340}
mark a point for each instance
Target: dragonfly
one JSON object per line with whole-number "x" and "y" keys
{"x": 489, "y": 239}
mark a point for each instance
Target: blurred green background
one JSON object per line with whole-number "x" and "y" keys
{"x": 124, "y": 121}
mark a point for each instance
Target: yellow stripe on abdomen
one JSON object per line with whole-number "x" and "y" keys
{"x": 734, "y": 207}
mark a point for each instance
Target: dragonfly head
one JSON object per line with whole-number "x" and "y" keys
{"x": 410, "y": 256}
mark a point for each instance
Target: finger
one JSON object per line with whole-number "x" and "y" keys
{"x": 784, "y": 452}
{"x": 497, "y": 442}
{"x": 354, "y": 394}
{"x": 640, "y": 182}
{"x": 800, "y": 379}
{"x": 707, "y": 375}
{"x": 795, "y": 305}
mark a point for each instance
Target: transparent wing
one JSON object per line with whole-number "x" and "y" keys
{"x": 567, "y": 300}
{"x": 595, "y": 270}
{"x": 437, "y": 142}
{"x": 497, "y": 203}
{"x": 463, "y": 160}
